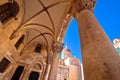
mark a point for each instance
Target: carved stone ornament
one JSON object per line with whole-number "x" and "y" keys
{"x": 89, "y": 3}
{"x": 37, "y": 66}
{"x": 84, "y": 4}
{"x": 58, "y": 47}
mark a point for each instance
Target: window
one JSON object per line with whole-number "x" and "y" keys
{"x": 3, "y": 65}
{"x": 17, "y": 73}
{"x": 34, "y": 76}
{"x": 38, "y": 48}
{"x": 8, "y": 10}
{"x": 118, "y": 50}
{"x": 19, "y": 41}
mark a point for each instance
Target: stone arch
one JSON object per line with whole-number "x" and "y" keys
{"x": 37, "y": 66}
{"x": 32, "y": 45}
{"x": 44, "y": 48}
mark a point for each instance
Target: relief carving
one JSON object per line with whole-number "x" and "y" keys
{"x": 89, "y": 3}
{"x": 37, "y": 66}
{"x": 80, "y": 5}
{"x": 58, "y": 47}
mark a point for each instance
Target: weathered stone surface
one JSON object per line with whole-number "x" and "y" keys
{"x": 100, "y": 59}
{"x": 55, "y": 61}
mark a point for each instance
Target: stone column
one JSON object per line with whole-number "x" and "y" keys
{"x": 49, "y": 58}
{"x": 1, "y": 29}
{"x": 47, "y": 72}
{"x": 100, "y": 59}
{"x": 55, "y": 61}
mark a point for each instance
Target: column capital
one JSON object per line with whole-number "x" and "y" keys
{"x": 79, "y": 5}
{"x": 58, "y": 46}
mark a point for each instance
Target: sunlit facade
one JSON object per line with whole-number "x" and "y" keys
{"x": 116, "y": 43}
{"x": 69, "y": 67}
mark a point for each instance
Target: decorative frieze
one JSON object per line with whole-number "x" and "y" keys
{"x": 79, "y": 5}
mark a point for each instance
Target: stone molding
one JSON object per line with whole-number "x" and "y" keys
{"x": 79, "y": 5}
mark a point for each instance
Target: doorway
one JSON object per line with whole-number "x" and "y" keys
{"x": 34, "y": 76}
{"x": 17, "y": 73}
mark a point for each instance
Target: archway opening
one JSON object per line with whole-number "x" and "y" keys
{"x": 72, "y": 39}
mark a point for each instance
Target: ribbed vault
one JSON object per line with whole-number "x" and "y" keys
{"x": 44, "y": 19}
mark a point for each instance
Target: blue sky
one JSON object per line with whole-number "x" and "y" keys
{"x": 107, "y": 13}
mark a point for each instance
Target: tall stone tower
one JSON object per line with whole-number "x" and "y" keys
{"x": 69, "y": 67}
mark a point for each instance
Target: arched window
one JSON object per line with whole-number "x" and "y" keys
{"x": 38, "y": 48}
{"x": 19, "y": 41}
{"x": 8, "y": 10}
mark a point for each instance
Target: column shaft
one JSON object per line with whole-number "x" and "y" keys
{"x": 54, "y": 67}
{"x": 55, "y": 60}
{"x": 47, "y": 72}
{"x": 100, "y": 59}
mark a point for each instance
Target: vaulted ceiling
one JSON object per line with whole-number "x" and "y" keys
{"x": 44, "y": 19}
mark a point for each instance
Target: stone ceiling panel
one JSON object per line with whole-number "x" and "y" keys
{"x": 31, "y": 8}
{"x": 45, "y": 17}
{"x": 58, "y": 14}
{"x": 49, "y": 2}
{"x": 41, "y": 19}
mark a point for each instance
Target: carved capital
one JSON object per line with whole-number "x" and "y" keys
{"x": 58, "y": 47}
{"x": 79, "y": 5}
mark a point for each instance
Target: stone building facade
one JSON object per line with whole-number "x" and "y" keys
{"x": 69, "y": 67}
{"x": 116, "y": 44}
